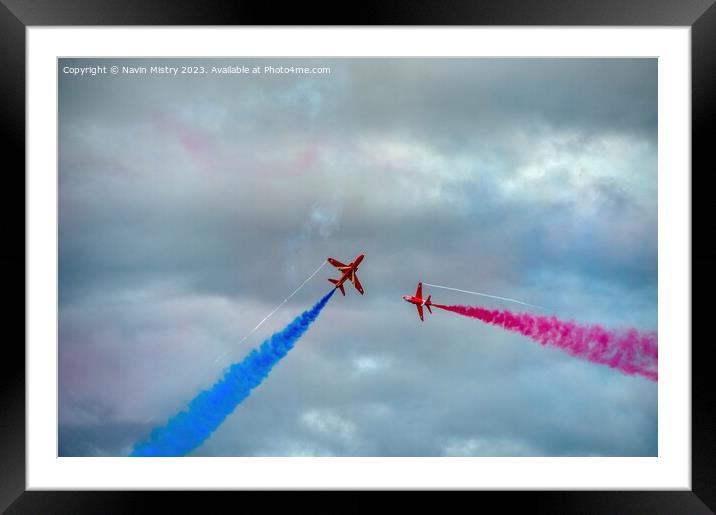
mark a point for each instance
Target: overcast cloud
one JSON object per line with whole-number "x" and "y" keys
{"x": 190, "y": 206}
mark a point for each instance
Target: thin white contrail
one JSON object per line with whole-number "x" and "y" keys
{"x": 284, "y": 301}
{"x": 277, "y": 308}
{"x": 487, "y": 295}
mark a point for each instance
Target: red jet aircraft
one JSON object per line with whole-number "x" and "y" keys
{"x": 349, "y": 272}
{"x": 419, "y": 301}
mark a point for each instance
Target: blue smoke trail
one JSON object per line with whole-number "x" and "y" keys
{"x": 189, "y": 429}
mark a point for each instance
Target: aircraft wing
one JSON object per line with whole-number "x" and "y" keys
{"x": 357, "y": 283}
{"x": 419, "y": 292}
{"x": 420, "y": 311}
{"x": 336, "y": 263}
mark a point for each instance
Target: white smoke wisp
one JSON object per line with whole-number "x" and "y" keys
{"x": 488, "y": 295}
{"x": 284, "y": 301}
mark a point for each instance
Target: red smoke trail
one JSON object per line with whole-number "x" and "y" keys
{"x": 628, "y": 350}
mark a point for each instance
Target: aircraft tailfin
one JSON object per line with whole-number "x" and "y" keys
{"x": 335, "y": 281}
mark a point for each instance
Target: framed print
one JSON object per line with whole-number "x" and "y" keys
{"x": 437, "y": 256}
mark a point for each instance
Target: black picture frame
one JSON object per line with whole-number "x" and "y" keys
{"x": 17, "y": 15}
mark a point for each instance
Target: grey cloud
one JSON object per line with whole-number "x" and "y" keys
{"x": 106, "y": 439}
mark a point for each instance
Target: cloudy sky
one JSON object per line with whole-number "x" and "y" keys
{"x": 190, "y": 206}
